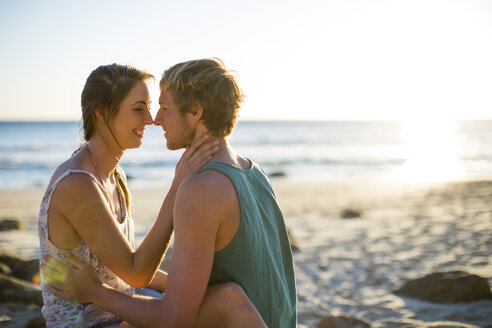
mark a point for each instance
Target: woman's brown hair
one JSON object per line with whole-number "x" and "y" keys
{"x": 104, "y": 90}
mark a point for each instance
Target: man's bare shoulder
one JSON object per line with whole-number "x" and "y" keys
{"x": 209, "y": 181}
{"x": 209, "y": 191}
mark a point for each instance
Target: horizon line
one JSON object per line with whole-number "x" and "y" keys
{"x": 255, "y": 120}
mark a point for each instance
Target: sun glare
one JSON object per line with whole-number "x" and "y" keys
{"x": 431, "y": 151}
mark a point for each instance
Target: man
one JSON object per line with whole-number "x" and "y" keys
{"x": 227, "y": 224}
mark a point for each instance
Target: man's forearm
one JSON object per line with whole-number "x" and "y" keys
{"x": 140, "y": 311}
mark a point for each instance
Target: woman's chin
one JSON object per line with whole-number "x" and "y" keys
{"x": 135, "y": 145}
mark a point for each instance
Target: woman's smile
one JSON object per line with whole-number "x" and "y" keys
{"x": 139, "y": 132}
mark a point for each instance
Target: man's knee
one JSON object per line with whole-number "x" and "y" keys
{"x": 241, "y": 310}
{"x": 234, "y": 294}
{"x": 232, "y": 291}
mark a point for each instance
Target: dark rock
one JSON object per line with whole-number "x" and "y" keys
{"x": 410, "y": 323}
{"x": 447, "y": 287}
{"x": 36, "y": 322}
{"x": 20, "y": 266}
{"x": 277, "y": 174}
{"x": 16, "y": 290}
{"x": 17, "y": 315}
{"x": 28, "y": 271}
{"x": 343, "y": 321}
{"x": 10, "y": 224}
{"x": 350, "y": 214}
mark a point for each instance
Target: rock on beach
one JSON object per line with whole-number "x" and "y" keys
{"x": 7, "y": 224}
{"x": 20, "y": 299}
{"x": 350, "y": 214}
{"x": 16, "y": 290}
{"x": 18, "y": 266}
{"x": 409, "y": 323}
{"x": 343, "y": 321}
{"x": 447, "y": 287}
{"x": 36, "y": 322}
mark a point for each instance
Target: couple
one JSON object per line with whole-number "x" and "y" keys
{"x": 231, "y": 264}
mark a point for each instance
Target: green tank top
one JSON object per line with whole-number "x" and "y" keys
{"x": 259, "y": 257}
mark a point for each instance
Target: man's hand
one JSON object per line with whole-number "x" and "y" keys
{"x": 76, "y": 282}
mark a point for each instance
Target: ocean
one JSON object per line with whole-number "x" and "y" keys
{"x": 295, "y": 150}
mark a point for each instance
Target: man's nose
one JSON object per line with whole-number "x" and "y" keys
{"x": 158, "y": 118}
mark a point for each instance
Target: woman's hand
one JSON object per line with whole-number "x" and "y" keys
{"x": 194, "y": 158}
{"x": 77, "y": 283}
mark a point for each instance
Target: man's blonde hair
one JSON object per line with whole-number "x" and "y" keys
{"x": 208, "y": 83}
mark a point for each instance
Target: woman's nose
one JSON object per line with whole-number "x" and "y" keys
{"x": 158, "y": 118}
{"x": 148, "y": 118}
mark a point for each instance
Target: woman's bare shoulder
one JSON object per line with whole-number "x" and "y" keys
{"x": 74, "y": 190}
{"x": 74, "y": 163}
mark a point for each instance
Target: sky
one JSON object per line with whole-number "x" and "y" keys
{"x": 296, "y": 60}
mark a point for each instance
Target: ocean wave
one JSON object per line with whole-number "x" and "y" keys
{"x": 31, "y": 151}
{"x": 477, "y": 158}
{"x": 9, "y": 164}
{"x": 149, "y": 164}
{"x": 15, "y": 164}
{"x": 19, "y": 165}
{"x": 38, "y": 147}
{"x": 361, "y": 141}
{"x": 333, "y": 162}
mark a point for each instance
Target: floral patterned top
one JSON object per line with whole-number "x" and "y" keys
{"x": 59, "y": 312}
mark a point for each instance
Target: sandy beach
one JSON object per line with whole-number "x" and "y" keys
{"x": 346, "y": 266}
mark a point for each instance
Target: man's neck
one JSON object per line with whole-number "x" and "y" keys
{"x": 225, "y": 153}
{"x": 228, "y": 155}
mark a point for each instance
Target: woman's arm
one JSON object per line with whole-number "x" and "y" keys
{"x": 197, "y": 224}
{"x": 159, "y": 281}
{"x": 82, "y": 203}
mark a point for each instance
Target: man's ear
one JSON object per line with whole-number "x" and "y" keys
{"x": 196, "y": 113}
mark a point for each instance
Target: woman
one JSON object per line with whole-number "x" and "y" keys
{"x": 86, "y": 207}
